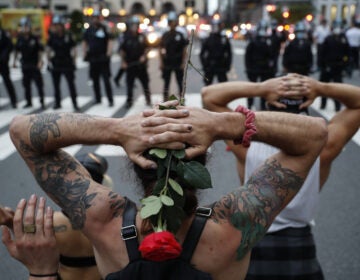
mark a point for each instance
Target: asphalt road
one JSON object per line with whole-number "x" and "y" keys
{"x": 337, "y": 230}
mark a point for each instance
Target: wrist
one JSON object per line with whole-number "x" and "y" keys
{"x": 43, "y": 276}
{"x": 320, "y": 88}
{"x": 262, "y": 89}
{"x": 249, "y": 125}
{"x": 228, "y": 126}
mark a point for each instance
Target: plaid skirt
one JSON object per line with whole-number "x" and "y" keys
{"x": 289, "y": 254}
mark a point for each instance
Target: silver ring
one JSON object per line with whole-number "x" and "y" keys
{"x": 31, "y": 228}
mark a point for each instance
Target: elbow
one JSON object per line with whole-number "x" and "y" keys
{"x": 16, "y": 128}
{"x": 205, "y": 97}
{"x": 320, "y": 130}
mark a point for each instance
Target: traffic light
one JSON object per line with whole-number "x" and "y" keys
{"x": 189, "y": 3}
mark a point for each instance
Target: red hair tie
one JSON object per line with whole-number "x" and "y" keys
{"x": 250, "y": 128}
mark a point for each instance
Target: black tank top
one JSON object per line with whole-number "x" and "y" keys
{"x": 174, "y": 269}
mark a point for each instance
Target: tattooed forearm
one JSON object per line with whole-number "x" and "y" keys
{"x": 252, "y": 208}
{"x": 50, "y": 172}
{"x": 117, "y": 204}
{"x": 41, "y": 125}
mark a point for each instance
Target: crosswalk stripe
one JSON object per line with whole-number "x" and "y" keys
{"x": 99, "y": 110}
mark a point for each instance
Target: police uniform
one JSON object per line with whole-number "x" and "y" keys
{"x": 6, "y": 47}
{"x": 172, "y": 48}
{"x": 298, "y": 57}
{"x": 30, "y": 48}
{"x": 62, "y": 63}
{"x": 133, "y": 48}
{"x": 333, "y": 61}
{"x": 259, "y": 62}
{"x": 216, "y": 57}
{"x": 97, "y": 39}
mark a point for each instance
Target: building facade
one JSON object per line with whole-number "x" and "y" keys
{"x": 145, "y": 7}
{"x": 337, "y": 9}
{"x": 231, "y": 9}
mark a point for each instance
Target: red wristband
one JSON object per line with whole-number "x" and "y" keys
{"x": 250, "y": 128}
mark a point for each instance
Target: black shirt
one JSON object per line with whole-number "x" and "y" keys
{"x": 172, "y": 47}
{"x": 6, "y": 47}
{"x": 335, "y": 52}
{"x": 216, "y": 52}
{"x": 134, "y": 46}
{"x": 97, "y": 39}
{"x": 29, "y": 47}
{"x": 259, "y": 55}
{"x": 61, "y": 45}
{"x": 298, "y": 57}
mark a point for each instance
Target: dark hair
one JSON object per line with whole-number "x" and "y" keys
{"x": 292, "y": 106}
{"x": 148, "y": 178}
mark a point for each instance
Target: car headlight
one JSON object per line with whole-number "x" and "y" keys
{"x": 152, "y": 38}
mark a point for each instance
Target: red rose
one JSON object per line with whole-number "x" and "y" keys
{"x": 160, "y": 246}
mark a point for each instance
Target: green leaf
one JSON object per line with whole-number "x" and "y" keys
{"x": 196, "y": 175}
{"x": 162, "y": 107}
{"x": 149, "y": 199}
{"x": 160, "y": 153}
{"x": 182, "y": 101}
{"x": 167, "y": 200}
{"x": 176, "y": 187}
{"x": 179, "y": 153}
{"x": 179, "y": 200}
{"x": 173, "y": 97}
{"x": 151, "y": 206}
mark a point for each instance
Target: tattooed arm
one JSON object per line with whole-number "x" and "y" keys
{"x": 252, "y": 208}
{"x": 39, "y": 139}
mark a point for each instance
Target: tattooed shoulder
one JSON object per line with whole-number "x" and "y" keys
{"x": 252, "y": 207}
{"x": 117, "y": 204}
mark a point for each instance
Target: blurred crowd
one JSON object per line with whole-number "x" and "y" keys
{"x": 332, "y": 49}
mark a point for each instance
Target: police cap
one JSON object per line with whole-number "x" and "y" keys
{"x": 172, "y": 16}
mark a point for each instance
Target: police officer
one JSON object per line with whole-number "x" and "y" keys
{"x": 334, "y": 59}
{"x": 133, "y": 52}
{"x": 31, "y": 50}
{"x": 61, "y": 54}
{"x": 97, "y": 47}
{"x": 260, "y": 58}
{"x": 298, "y": 57}
{"x": 173, "y": 54}
{"x": 216, "y": 54}
{"x": 6, "y": 47}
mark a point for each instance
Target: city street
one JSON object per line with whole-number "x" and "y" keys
{"x": 337, "y": 230}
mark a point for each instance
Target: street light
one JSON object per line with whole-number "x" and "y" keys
{"x": 286, "y": 14}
